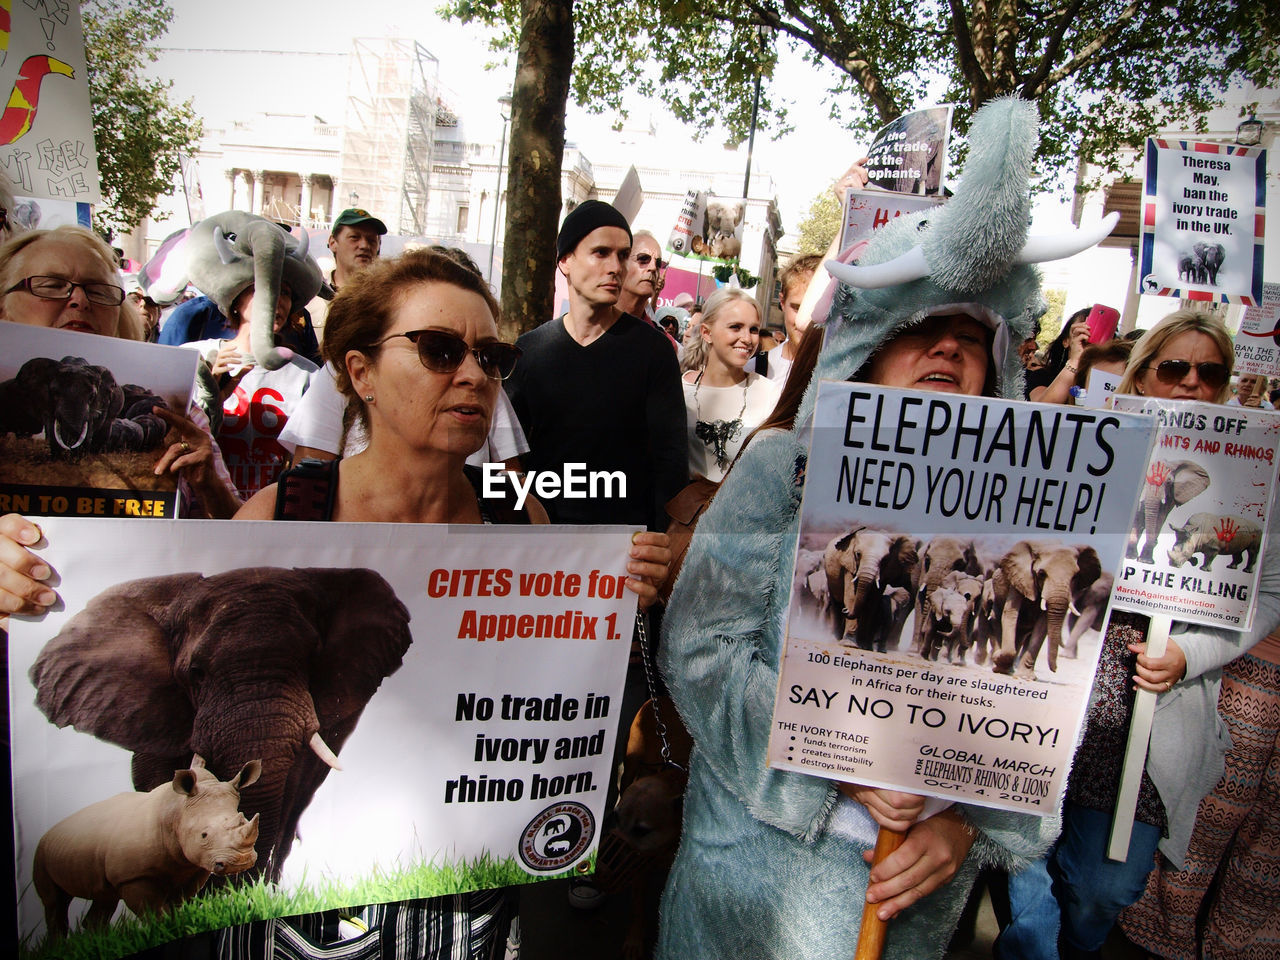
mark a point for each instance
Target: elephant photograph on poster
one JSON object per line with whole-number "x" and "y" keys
{"x": 265, "y": 666}
{"x": 79, "y": 412}
{"x": 1169, "y": 484}
{"x": 1030, "y": 609}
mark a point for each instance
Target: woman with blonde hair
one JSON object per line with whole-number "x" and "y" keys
{"x": 723, "y": 400}
{"x": 1158, "y": 359}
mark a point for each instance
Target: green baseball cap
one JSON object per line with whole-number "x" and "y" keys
{"x": 355, "y": 217}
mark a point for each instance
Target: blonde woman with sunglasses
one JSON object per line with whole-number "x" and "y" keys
{"x": 1069, "y": 901}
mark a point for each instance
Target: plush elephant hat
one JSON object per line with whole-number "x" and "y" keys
{"x": 222, "y": 256}
{"x": 970, "y": 256}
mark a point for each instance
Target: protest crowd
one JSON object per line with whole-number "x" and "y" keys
{"x": 389, "y": 389}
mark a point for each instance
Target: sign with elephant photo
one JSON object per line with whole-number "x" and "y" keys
{"x": 1203, "y": 214}
{"x": 78, "y": 432}
{"x": 372, "y": 714}
{"x": 1197, "y": 534}
{"x": 955, "y": 561}
{"x": 708, "y": 227}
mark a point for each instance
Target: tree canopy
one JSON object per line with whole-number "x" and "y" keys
{"x": 821, "y": 224}
{"x": 1105, "y": 74}
{"x": 138, "y": 130}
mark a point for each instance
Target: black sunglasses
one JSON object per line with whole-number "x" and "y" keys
{"x": 1212, "y": 375}
{"x": 644, "y": 259}
{"x": 60, "y": 288}
{"x": 443, "y": 352}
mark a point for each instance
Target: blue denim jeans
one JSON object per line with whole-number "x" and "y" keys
{"x": 1075, "y": 892}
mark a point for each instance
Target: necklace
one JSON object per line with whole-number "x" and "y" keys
{"x": 717, "y": 434}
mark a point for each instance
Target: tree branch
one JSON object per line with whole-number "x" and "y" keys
{"x": 969, "y": 65}
{"x": 1089, "y": 53}
{"x": 1053, "y": 44}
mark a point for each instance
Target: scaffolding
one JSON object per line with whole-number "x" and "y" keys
{"x": 390, "y": 131}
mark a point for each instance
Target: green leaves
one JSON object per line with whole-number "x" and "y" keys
{"x": 138, "y": 130}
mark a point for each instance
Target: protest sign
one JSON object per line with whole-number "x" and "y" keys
{"x": 1204, "y": 494}
{"x": 1258, "y": 342}
{"x": 465, "y": 679}
{"x": 909, "y": 154}
{"x": 77, "y": 432}
{"x": 1203, "y": 213}
{"x": 997, "y": 497}
{"x": 46, "y": 129}
{"x": 866, "y": 211}
{"x": 708, "y": 227}
{"x": 1099, "y": 391}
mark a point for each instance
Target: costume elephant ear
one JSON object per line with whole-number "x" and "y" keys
{"x": 1017, "y": 566}
{"x": 363, "y": 636}
{"x": 1189, "y": 480}
{"x": 109, "y": 671}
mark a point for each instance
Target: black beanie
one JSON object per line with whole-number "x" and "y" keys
{"x": 585, "y": 217}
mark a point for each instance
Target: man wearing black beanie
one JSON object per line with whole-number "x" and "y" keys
{"x": 600, "y": 388}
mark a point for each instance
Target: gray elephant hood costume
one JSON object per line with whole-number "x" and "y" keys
{"x": 766, "y": 868}
{"x": 222, "y": 256}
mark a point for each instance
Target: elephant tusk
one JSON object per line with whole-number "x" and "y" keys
{"x": 1039, "y": 249}
{"x": 909, "y": 266}
{"x": 225, "y": 253}
{"x": 321, "y": 750}
{"x": 1072, "y": 607}
{"x": 62, "y": 441}
{"x": 1043, "y": 604}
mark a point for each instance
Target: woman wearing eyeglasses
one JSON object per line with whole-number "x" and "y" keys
{"x": 66, "y": 279}
{"x": 1186, "y": 356}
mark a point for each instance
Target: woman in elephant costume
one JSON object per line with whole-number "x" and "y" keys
{"x": 1066, "y": 904}
{"x": 771, "y": 863}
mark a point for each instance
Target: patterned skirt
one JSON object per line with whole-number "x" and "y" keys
{"x": 1227, "y": 895}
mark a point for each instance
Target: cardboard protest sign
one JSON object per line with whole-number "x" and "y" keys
{"x": 46, "y": 127}
{"x": 708, "y": 227}
{"x": 465, "y": 682}
{"x": 866, "y": 211}
{"x": 1258, "y": 342}
{"x": 909, "y": 154}
{"x": 77, "y": 432}
{"x": 1204, "y": 495}
{"x": 931, "y": 530}
{"x": 1203, "y": 213}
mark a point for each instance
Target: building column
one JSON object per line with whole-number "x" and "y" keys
{"x": 306, "y": 198}
{"x": 258, "y": 176}
{"x": 231, "y": 189}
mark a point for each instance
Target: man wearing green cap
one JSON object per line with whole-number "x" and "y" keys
{"x": 355, "y": 242}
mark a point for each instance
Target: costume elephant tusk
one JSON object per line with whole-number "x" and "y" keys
{"x": 321, "y": 750}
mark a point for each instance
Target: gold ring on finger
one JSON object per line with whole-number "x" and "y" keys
{"x": 186, "y": 447}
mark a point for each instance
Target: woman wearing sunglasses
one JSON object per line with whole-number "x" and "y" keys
{"x": 415, "y": 345}
{"x": 1076, "y": 890}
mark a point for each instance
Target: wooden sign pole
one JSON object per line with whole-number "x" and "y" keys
{"x": 872, "y": 932}
{"x": 1135, "y": 753}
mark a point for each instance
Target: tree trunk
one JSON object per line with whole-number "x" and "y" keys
{"x": 543, "y": 69}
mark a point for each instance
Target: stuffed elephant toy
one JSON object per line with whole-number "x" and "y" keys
{"x": 152, "y": 850}
{"x": 1035, "y": 584}
{"x": 862, "y": 568}
{"x": 222, "y": 256}
{"x": 79, "y": 408}
{"x": 1169, "y": 484}
{"x": 255, "y": 663}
